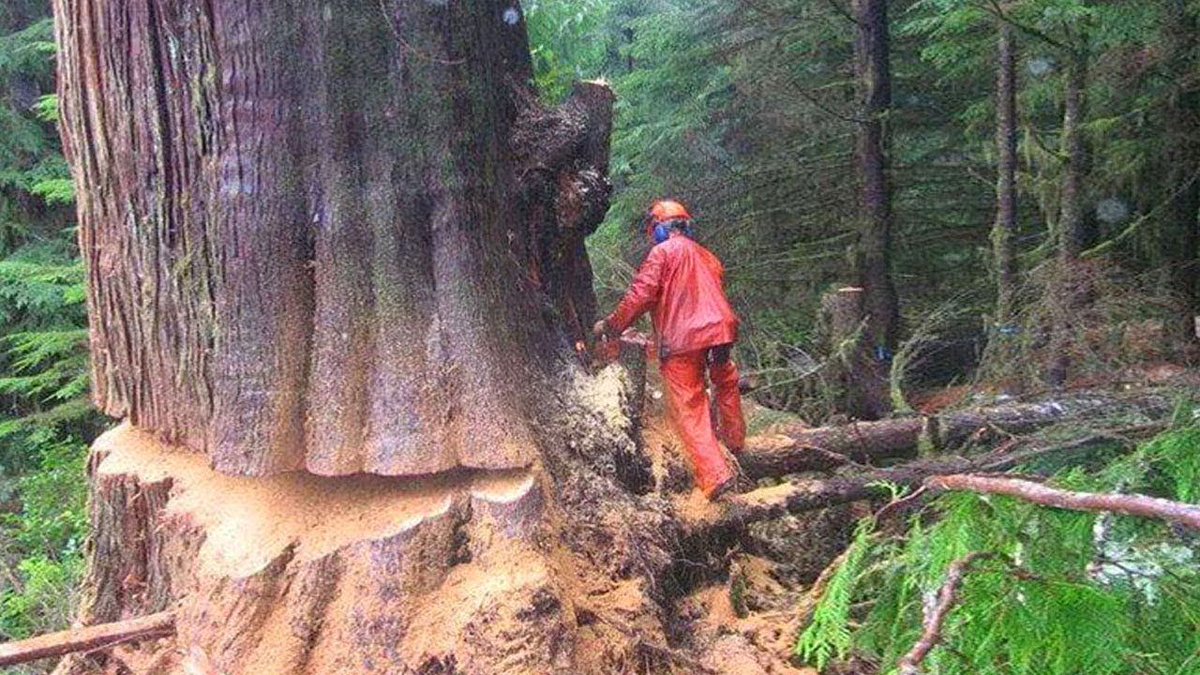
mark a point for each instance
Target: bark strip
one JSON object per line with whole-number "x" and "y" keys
{"x": 88, "y": 638}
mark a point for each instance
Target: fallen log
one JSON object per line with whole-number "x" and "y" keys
{"x": 799, "y": 496}
{"x": 822, "y": 448}
{"x": 88, "y": 638}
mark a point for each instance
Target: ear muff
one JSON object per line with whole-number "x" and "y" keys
{"x": 662, "y": 232}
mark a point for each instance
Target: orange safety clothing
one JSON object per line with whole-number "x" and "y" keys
{"x": 730, "y": 423}
{"x": 667, "y": 210}
{"x": 681, "y": 282}
{"x": 684, "y": 378}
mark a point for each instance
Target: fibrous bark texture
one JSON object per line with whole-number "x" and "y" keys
{"x": 821, "y": 448}
{"x": 326, "y": 236}
{"x": 873, "y": 71}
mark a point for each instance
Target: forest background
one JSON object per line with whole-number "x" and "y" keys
{"x": 750, "y": 111}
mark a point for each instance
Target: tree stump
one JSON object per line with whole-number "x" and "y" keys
{"x": 859, "y": 383}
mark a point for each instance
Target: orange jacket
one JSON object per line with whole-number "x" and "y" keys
{"x": 681, "y": 282}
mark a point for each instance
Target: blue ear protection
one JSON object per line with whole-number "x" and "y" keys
{"x": 662, "y": 231}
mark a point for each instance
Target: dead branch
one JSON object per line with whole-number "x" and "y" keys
{"x": 809, "y": 495}
{"x": 88, "y": 638}
{"x": 824, "y": 448}
{"x": 935, "y": 616}
{"x": 1129, "y": 505}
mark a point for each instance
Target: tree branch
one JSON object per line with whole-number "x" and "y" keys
{"x": 935, "y": 616}
{"x": 1140, "y": 506}
{"x": 88, "y": 638}
{"x": 810, "y": 495}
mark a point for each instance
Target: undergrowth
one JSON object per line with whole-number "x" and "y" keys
{"x": 1064, "y": 593}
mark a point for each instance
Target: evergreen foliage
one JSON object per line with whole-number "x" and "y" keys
{"x": 1067, "y": 592}
{"x": 746, "y": 110}
{"x": 45, "y": 418}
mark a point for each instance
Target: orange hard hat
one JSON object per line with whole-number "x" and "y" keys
{"x": 667, "y": 210}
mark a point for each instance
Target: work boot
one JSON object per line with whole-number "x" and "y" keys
{"x": 721, "y": 490}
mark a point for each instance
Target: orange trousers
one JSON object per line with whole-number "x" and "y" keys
{"x": 684, "y": 377}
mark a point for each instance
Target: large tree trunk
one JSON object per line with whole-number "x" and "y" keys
{"x": 1181, "y": 230}
{"x": 329, "y": 240}
{"x": 313, "y": 231}
{"x": 873, "y": 70}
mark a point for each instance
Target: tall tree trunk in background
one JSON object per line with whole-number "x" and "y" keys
{"x": 339, "y": 238}
{"x": 1181, "y": 229}
{"x": 873, "y": 257}
{"x": 1067, "y": 291}
{"x": 1072, "y": 226}
{"x": 1005, "y": 226}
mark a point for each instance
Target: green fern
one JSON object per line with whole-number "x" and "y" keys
{"x": 828, "y": 636}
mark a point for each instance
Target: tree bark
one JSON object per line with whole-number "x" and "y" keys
{"x": 1181, "y": 230}
{"x": 330, "y": 240}
{"x": 1071, "y": 232}
{"x": 873, "y": 74}
{"x": 1004, "y": 229}
{"x": 824, "y": 448}
{"x": 306, "y": 255}
{"x": 860, "y": 389}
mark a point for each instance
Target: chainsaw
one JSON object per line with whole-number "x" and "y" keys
{"x": 630, "y": 345}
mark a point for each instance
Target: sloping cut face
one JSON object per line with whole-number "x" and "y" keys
{"x": 308, "y": 237}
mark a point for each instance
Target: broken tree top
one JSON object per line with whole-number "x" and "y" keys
{"x": 304, "y": 255}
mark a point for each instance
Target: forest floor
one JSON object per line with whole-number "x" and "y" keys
{"x": 748, "y": 620}
{"x": 729, "y": 609}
